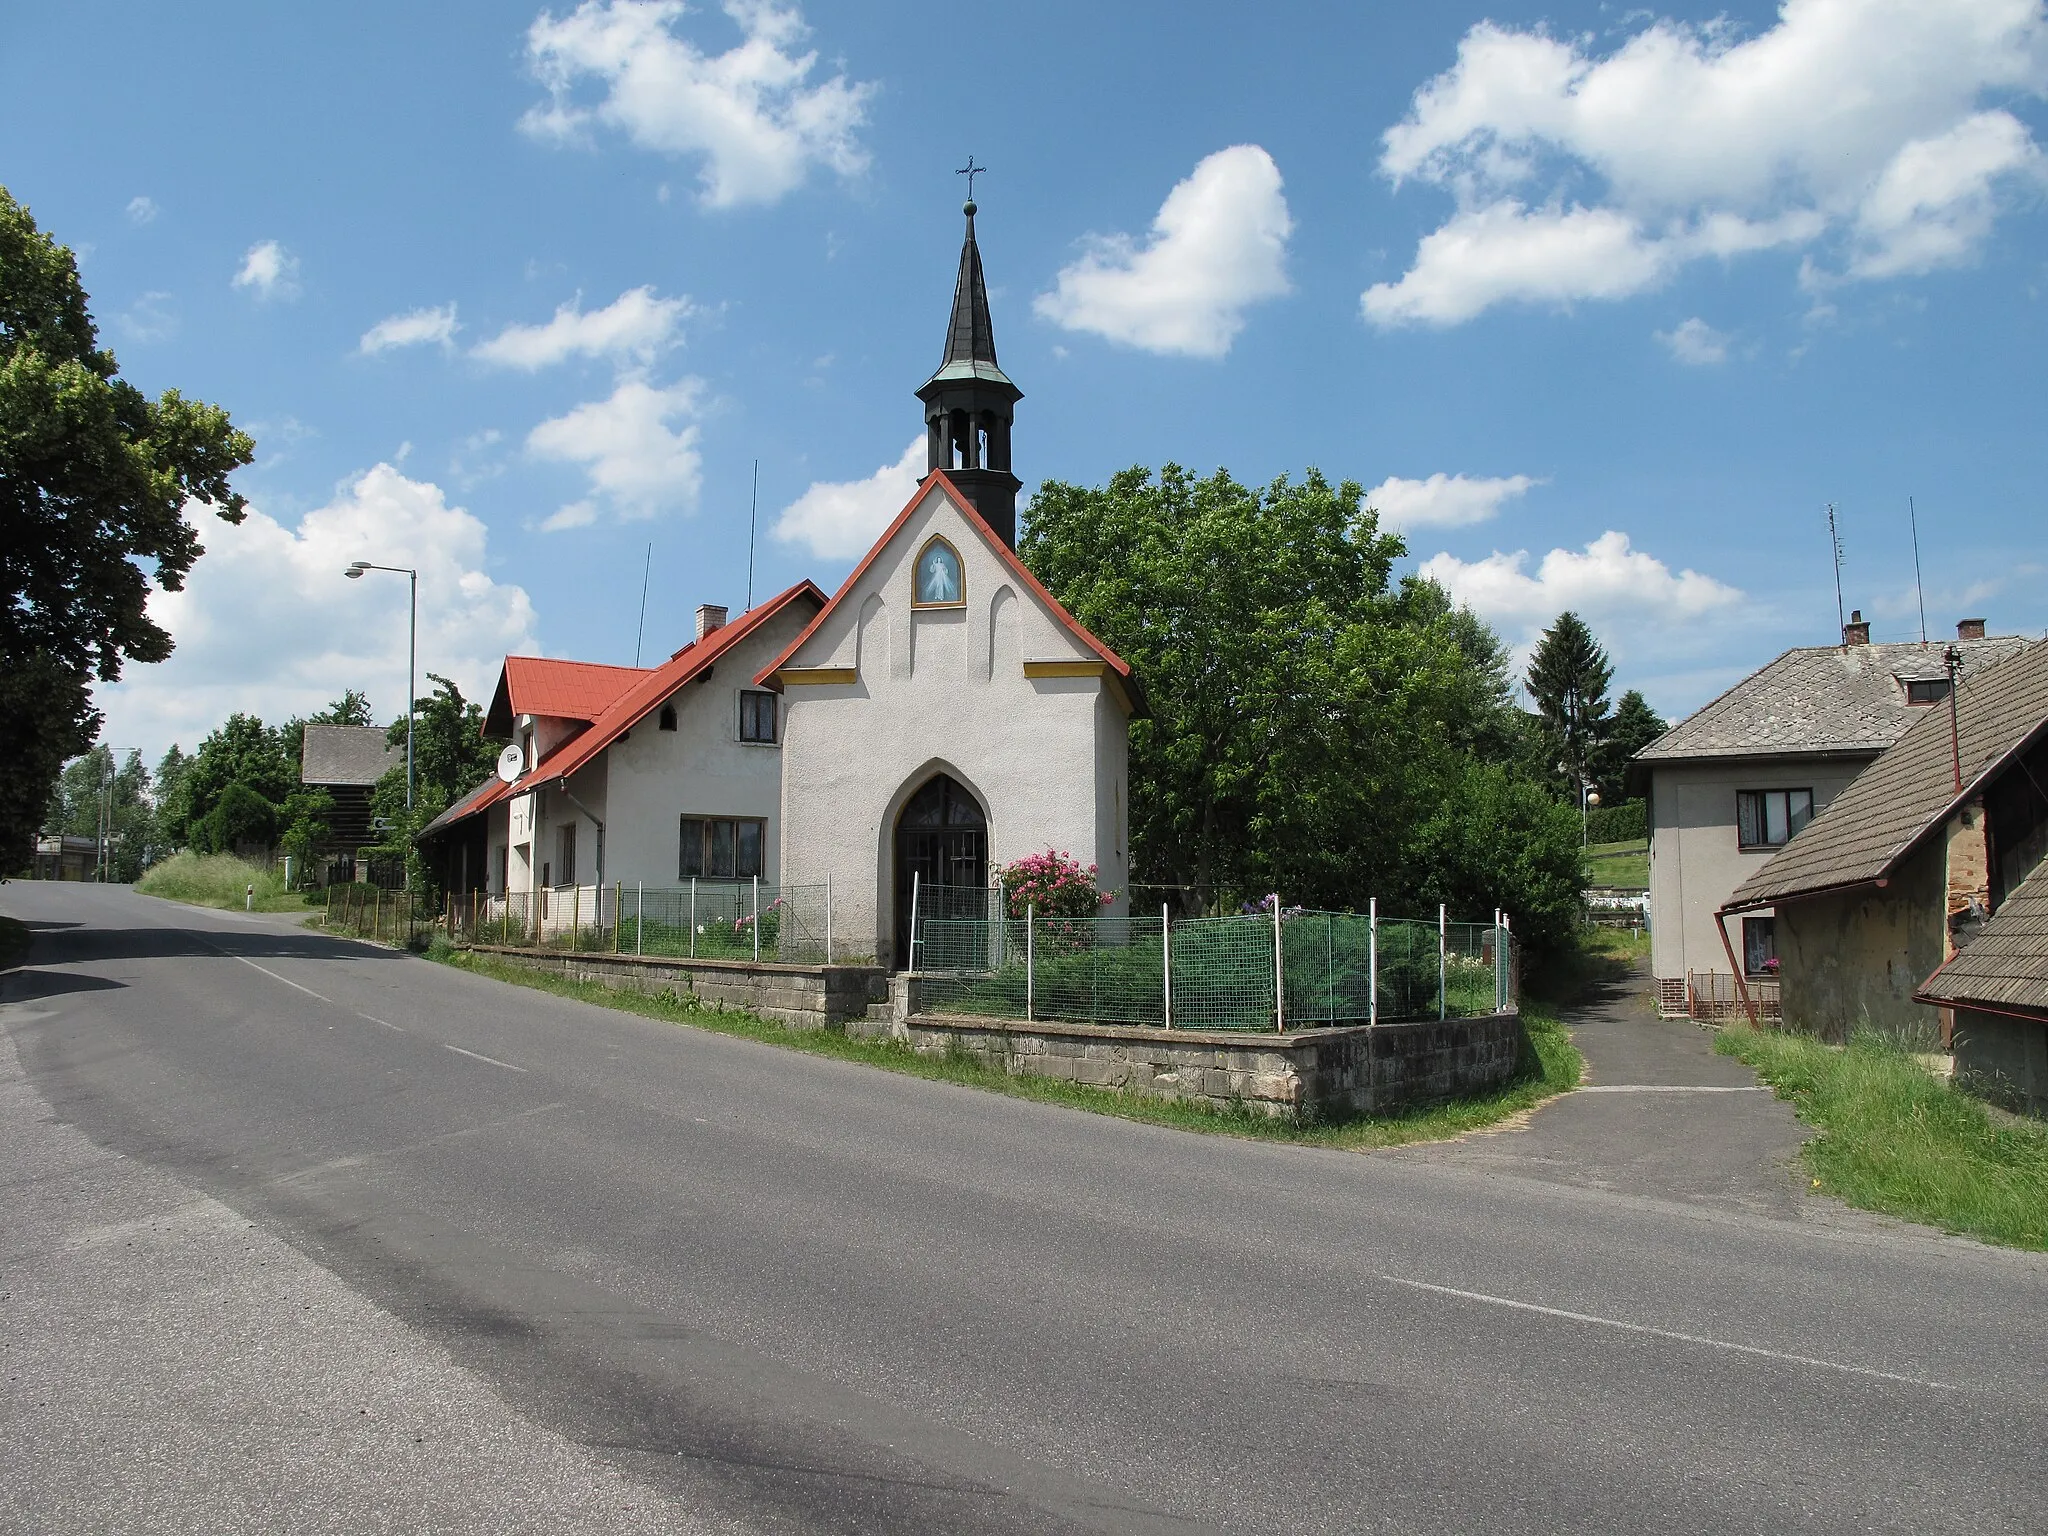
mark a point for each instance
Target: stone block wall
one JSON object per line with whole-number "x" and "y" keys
{"x": 800, "y": 996}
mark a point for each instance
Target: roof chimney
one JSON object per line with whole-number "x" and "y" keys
{"x": 1857, "y": 630}
{"x": 710, "y": 616}
{"x": 1969, "y": 629}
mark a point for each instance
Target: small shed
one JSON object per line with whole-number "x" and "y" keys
{"x": 1998, "y": 990}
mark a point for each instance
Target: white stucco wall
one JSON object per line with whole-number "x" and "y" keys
{"x": 1696, "y": 861}
{"x": 944, "y": 691}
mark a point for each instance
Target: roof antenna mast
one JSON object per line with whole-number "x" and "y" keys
{"x": 1918, "y": 591}
{"x": 753, "y": 507}
{"x": 1835, "y": 542}
{"x": 641, "y": 633}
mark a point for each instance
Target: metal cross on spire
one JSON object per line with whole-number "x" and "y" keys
{"x": 970, "y": 170}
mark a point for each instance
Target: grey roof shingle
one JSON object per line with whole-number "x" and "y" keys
{"x": 2007, "y": 963}
{"x": 1822, "y": 698}
{"x": 1908, "y": 791}
{"x": 346, "y": 754}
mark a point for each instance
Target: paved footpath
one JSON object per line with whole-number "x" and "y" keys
{"x": 301, "y": 1235}
{"x": 1661, "y": 1115}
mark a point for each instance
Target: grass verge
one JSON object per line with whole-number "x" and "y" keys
{"x": 1894, "y": 1139}
{"x": 1550, "y": 1066}
{"x": 218, "y": 880}
{"x": 14, "y": 942}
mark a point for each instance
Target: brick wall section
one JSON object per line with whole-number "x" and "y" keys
{"x": 1364, "y": 1069}
{"x": 800, "y": 996}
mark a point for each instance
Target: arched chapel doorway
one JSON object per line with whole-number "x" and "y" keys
{"x": 942, "y": 840}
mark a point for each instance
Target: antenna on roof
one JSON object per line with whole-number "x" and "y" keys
{"x": 1835, "y": 542}
{"x": 1918, "y": 591}
{"x": 753, "y": 507}
{"x": 640, "y": 633}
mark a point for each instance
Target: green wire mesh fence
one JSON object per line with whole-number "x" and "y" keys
{"x": 701, "y": 920}
{"x": 1305, "y": 970}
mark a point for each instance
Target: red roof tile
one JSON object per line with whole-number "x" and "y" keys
{"x": 565, "y": 690}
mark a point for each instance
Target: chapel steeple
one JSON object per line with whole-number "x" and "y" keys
{"x": 969, "y": 403}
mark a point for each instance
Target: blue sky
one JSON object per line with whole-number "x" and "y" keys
{"x": 510, "y": 294}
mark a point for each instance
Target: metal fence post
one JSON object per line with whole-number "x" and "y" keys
{"x": 828, "y": 919}
{"x": 640, "y": 917}
{"x": 618, "y": 916}
{"x": 1330, "y": 966}
{"x": 1030, "y": 956}
{"x": 1372, "y": 959}
{"x": 1166, "y": 956}
{"x": 1507, "y": 996}
{"x": 1279, "y": 985}
{"x": 757, "y": 919}
{"x": 693, "y": 917}
{"x": 1496, "y": 959}
{"x": 914, "y": 894}
{"x": 1443, "y": 933}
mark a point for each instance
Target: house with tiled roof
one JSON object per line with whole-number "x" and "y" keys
{"x": 629, "y": 776}
{"x": 1894, "y": 881}
{"x": 1733, "y": 783}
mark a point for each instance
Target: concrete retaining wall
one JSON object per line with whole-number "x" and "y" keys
{"x": 800, "y": 996}
{"x": 1361, "y": 1069}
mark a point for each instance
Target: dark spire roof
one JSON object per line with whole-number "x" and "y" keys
{"x": 971, "y": 337}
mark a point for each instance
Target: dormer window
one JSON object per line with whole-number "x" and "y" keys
{"x": 939, "y": 583}
{"x": 668, "y": 717}
{"x": 1926, "y": 690}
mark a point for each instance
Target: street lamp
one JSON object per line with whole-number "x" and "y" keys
{"x": 412, "y": 652}
{"x": 1588, "y": 796}
{"x": 104, "y": 821}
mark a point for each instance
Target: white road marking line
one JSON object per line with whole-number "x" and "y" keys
{"x": 275, "y": 977}
{"x": 479, "y": 1056}
{"x": 385, "y": 1022}
{"x": 1669, "y": 1088}
{"x": 1666, "y": 1333}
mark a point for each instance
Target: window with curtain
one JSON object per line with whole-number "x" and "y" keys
{"x": 1770, "y": 818}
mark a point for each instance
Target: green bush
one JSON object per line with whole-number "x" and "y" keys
{"x": 1622, "y": 823}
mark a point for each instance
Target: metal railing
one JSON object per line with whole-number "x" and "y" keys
{"x": 699, "y": 920}
{"x": 371, "y": 912}
{"x": 1278, "y": 969}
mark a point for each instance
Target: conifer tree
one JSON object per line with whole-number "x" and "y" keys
{"x": 1568, "y": 678}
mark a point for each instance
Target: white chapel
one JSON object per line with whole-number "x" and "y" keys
{"x": 943, "y": 714}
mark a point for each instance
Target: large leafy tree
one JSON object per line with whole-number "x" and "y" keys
{"x": 95, "y": 796}
{"x": 1568, "y": 678}
{"x": 450, "y": 758}
{"x": 95, "y": 477}
{"x": 1306, "y": 715}
{"x": 244, "y": 752}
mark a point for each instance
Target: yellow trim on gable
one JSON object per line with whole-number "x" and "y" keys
{"x": 1065, "y": 668}
{"x": 812, "y": 677}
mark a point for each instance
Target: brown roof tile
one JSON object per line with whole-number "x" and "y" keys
{"x": 1909, "y": 791}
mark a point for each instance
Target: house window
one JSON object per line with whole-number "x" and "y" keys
{"x": 668, "y": 717}
{"x": 1760, "y": 946}
{"x": 718, "y": 848}
{"x": 1926, "y": 690}
{"x": 757, "y": 716}
{"x": 1770, "y": 818}
{"x": 939, "y": 583}
{"x": 568, "y": 851}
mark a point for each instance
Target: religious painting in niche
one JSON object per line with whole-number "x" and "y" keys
{"x": 939, "y": 581}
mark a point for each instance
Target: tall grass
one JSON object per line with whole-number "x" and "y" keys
{"x": 217, "y": 880}
{"x": 1895, "y": 1139}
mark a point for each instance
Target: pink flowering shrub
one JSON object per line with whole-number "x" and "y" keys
{"x": 1054, "y": 885}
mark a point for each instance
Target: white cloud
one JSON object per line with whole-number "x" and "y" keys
{"x": 634, "y": 461}
{"x": 414, "y": 328}
{"x": 634, "y": 325}
{"x": 270, "y": 270}
{"x": 141, "y": 210}
{"x": 1218, "y": 246}
{"x": 1856, "y": 128}
{"x": 1695, "y": 342}
{"x": 577, "y": 514}
{"x": 837, "y": 520}
{"x": 1624, "y": 592}
{"x": 152, "y": 317}
{"x": 752, "y": 114}
{"x": 1443, "y": 501}
{"x": 266, "y": 622}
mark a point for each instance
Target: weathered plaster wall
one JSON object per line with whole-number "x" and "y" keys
{"x": 1854, "y": 958}
{"x": 944, "y": 690}
{"x": 1696, "y": 861}
{"x": 2003, "y": 1059}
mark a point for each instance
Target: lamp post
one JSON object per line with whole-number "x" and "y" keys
{"x": 1588, "y": 796}
{"x": 104, "y": 821}
{"x": 412, "y": 652}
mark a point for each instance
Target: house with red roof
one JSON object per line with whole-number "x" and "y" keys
{"x": 630, "y": 775}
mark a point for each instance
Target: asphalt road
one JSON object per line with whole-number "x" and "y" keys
{"x": 633, "y": 1273}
